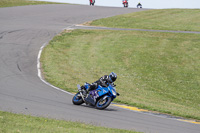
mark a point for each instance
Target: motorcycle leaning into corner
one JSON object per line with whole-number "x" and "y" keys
{"x": 99, "y": 98}
{"x": 92, "y": 2}
{"x": 139, "y": 5}
{"x": 125, "y": 3}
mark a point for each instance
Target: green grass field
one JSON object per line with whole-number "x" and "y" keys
{"x": 165, "y": 19}
{"x": 14, "y": 123}
{"x": 156, "y": 71}
{"x": 11, "y": 3}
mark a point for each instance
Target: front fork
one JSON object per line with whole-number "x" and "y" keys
{"x": 80, "y": 91}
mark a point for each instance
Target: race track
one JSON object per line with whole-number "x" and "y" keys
{"x": 23, "y": 30}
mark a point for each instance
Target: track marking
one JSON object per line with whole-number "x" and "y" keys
{"x": 190, "y": 121}
{"x": 40, "y": 74}
{"x": 162, "y": 115}
{"x": 130, "y": 108}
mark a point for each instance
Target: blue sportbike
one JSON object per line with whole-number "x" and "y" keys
{"x": 99, "y": 98}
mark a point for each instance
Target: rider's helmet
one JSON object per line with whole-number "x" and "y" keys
{"x": 112, "y": 76}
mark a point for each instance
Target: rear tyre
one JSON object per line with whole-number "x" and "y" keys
{"x": 77, "y": 99}
{"x": 103, "y": 102}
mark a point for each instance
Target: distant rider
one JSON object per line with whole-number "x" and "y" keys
{"x": 124, "y": 1}
{"x": 139, "y": 5}
{"x": 103, "y": 81}
{"x": 92, "y": 2}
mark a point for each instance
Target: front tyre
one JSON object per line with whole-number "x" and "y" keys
{"x": 103, "y": 102}
{"x": 77, "y": 99}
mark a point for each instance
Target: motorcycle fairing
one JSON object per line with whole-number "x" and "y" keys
{"x": 94, "y": 94}
{"x": 102, "y": 90}
{"x": 91, "y": 98}
{"x": 87, "y": 85}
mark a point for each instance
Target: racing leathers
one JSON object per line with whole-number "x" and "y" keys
{"x": 103, "y": 81}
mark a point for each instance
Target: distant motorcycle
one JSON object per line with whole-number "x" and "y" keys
{"x": 99, "y": 98}
{"x": 92, "y": 2}
{"x": 139, "y": 5}
{"x": 125, "y": 3}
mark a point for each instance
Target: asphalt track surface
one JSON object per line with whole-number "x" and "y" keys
{"x": 23, "y": 30}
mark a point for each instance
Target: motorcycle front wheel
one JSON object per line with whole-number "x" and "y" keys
{"x": 103, "y": 102}
{"x": 77, "y": 99}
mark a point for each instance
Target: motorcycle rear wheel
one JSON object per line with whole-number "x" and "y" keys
{"x": 77, "y": 99}
{"x": 103, "y": 102}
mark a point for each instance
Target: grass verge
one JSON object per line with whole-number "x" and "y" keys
{"x": 167, "y": 19}
{"x": 11, "y": 3}
{"x": 15, "y": 123}
{"x": 156, "y": 71}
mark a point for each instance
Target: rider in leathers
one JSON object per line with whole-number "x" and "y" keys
{"x": 92, "y": 2}
{"x": 103, "y": 81}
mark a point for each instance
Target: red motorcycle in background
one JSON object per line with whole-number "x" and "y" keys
{"x": 125, "y": 3}
{"x": 92, "y": 2}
